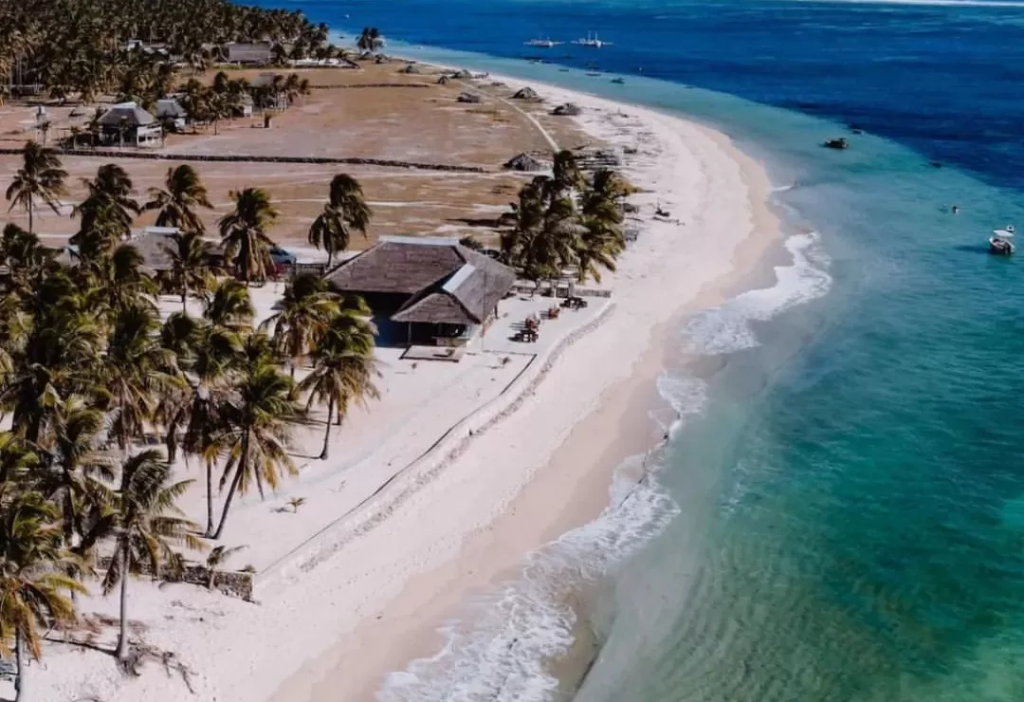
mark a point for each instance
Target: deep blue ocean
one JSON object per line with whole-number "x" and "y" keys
{"x": 848, "y": 520}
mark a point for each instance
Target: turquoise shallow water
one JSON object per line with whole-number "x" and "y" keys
{"x": 848, "y": 520}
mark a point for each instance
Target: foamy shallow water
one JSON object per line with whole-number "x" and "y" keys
{"x": 501, "y": 648}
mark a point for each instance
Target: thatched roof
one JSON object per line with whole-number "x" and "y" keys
{"x": 447, "y": 282}
{"x": 443, "y": 80}
{"x": 151, "y": 244}
{"x": 169, "y": 107}
{"x": 569, "y": 109}
{"x": 411, "y": 68}
{"x": 128, "y": 114}
{"x": 472, "y": 98}
{"x": 526, "y": 163}
{"x": 526, "y": 94}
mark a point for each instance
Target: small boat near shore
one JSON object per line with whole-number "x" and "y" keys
{"x": 618, "y": 81}
{"x": 543, "y": 43}
{"x": 1001, "y": 241}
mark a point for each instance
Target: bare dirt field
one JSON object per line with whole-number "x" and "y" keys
{"x": 377, "y": 111}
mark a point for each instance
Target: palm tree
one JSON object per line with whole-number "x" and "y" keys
{"x": 207, "y": 353}
{"x": 303, "y": 314}
{"x": 109, "y": 206}
{"x": 217, "y": 557}
{"x": 146, "y": 525}
{"x": 345, "y": 211}
{"x": 229, "y": 306}
{"x": 137, "y": 370}
{"x": 343, "y": 367}
{"x": 75, "y": 480}
{"x": 191, "y": 271}
{"x": 40, "y": 178}
{"x": 244, "y": 232}
{"x": 370, "y": 40}
{"x": 33, "y": 584}
{"x": 176, "y": 203}
{"x": 256, "y": 428}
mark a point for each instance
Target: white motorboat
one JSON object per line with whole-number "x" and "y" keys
{"x": 543, "y": 43}
{"x": 592, "y": 41}
{"x": 1001, "y": 241}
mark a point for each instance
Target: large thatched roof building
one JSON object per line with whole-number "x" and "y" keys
{"x": 436, "y": 287}
{"x": 127, "y": 123}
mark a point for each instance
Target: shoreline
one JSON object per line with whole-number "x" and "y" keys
{"x": 495, "y": 486}
{"x": 579, "y": 471}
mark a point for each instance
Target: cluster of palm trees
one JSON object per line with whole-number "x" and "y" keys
{"x": 81, "y": 46}
{"x": 91, "y": 376}
{"x": 567, "y": 221}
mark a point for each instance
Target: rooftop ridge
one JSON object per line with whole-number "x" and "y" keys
{"x": 460, "y": 277}
{"x": 422, "y": 240}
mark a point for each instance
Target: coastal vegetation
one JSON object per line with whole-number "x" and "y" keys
{"x": 93, "y": 375}
{"x": 566, "y": 222}
{"x": 85, "y": 48}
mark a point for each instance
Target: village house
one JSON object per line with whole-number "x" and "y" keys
{"x": 255, "y": 54}
{"x": 128, "y": 124}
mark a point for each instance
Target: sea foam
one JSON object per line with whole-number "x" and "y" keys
{"x": 499, "y": 650}
{"x": 726, "y": 329}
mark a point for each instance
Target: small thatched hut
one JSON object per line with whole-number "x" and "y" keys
{"x": 462, "y": 74}
{"x": 525, "y": 163}
{"x": 471, "y": 98}
{"x": 526, "y": 93}
{"x": 433, "y": 289}
{"x": 443, "y": 80}
{"x": 569, "y": 109}
{"x": 412, "y": 69}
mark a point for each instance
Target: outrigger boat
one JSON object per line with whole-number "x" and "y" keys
{"x": 543, "y": 43}
{"x": 1001, "y": 241}
{"x": 592, "y": 41}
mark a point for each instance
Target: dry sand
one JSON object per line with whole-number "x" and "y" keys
{"x": 518, "y": 464}
{"x": 339, "y": 119}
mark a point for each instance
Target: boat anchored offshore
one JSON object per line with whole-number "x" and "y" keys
{"x": 592, "y": 41}
{"x": 543, "y": 43}
{"x": 1001, "y": 241}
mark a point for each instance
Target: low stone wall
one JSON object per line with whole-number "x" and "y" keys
{"x": 232, "y": 583}
{"x": 241, "y": 158}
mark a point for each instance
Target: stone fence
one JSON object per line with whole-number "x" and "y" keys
{"x": 241, "y": 158}
{"x": 233, "y": 583}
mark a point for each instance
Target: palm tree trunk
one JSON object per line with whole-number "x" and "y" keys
{"x": 122, "y": 635}
{"x": 184, "y": 299}
{"x": 327, "y": 434}
{"x": 19, "y": 662}
{"x": 209, "y": 498}
{"x": 30, "y": 216}
{"x": 242, "y": 465}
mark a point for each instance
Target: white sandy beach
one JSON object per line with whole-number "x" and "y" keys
{"x": 460, "y": 470}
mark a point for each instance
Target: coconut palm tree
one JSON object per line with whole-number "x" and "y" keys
{"x": 256, "y": 428}
{"x": 117, "y": 280}
{"x": 75, "y": 479}
{"x": 370, "y": 39}
{"x": 33, "y": 585}
{"x": 207, "y": 353}
{"x": 229, "y": 306}
{"x": 191, "y": 272}
{"x": 303, "y": 314}
{"x": 346, "y": 211}
{"x": 244, "y": 232}
{"x": 137, "y": 370}
{"x": 176, "y": 203}
{"x": 106, "y": 213}
{"x": 146, "y": 524}
{"x": 40, "y": 179}
{"x": 343, "y": 367}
